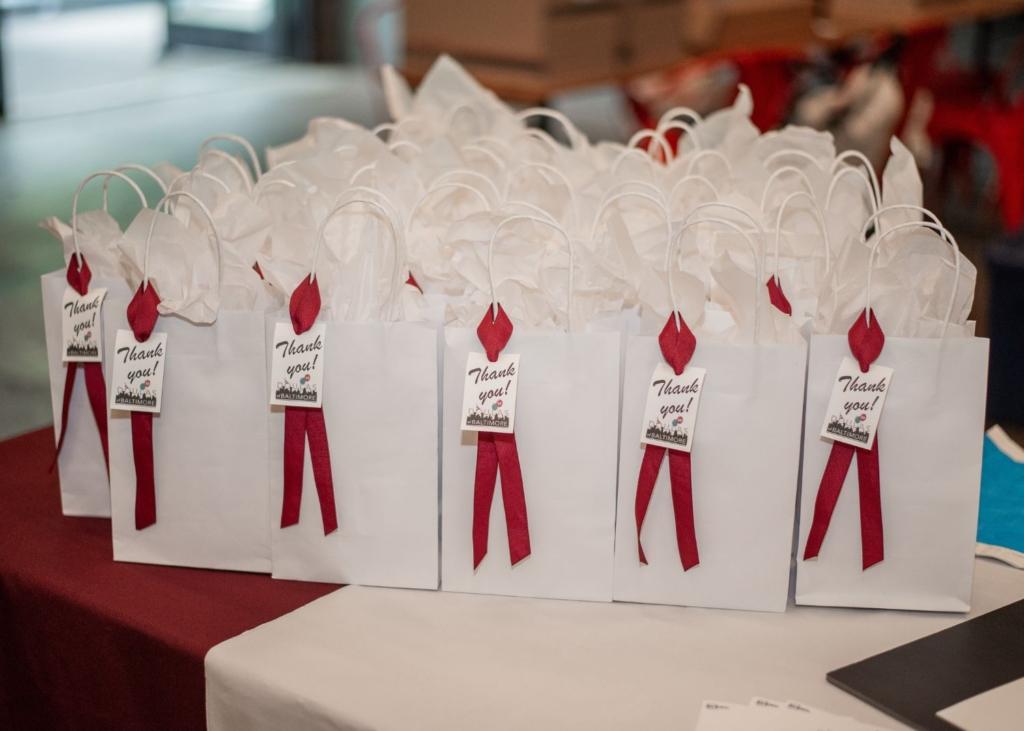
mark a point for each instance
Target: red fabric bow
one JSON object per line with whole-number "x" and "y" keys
{"x": 142, "y": 315}
{"x": 866, "y": 343}
{"x": 79, "y": 276}
{"x": 777, "y": 297}
{"x": 302, "y": 423}
{"x": 498, "y": 453}
{"x": 677, "y": 346}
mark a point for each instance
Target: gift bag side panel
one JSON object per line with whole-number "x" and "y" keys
{"x": 566, "y": 430}
{"x": 745, "y": 462}
{"x": 929, "y": 441}
{"x": 84, "y": 485}
{"x": 380, "y": 407}
{"x": 209, "y": 451}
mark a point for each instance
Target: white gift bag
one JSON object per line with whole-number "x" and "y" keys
{"x": 905, "y": 540}
{"x": 731, "y": 524}
{"x": 380, "y": 411}
{"x": 82, "y": 458}
{"x": 209, "y": 439}
{"x": 554, "y": 537}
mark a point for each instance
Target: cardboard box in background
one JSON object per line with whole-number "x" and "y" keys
{"x": 651, "y": 34}
{"x": 531, "y": 48}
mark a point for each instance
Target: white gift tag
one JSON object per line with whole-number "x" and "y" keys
{"x": 80, "y": 326}
{"x": 297, "y": 366}
{"x": 489, "y": 395}
{"x": 856, "y": 404}
{"x": 670, "y": 417}
{"x": 138, "y": 378}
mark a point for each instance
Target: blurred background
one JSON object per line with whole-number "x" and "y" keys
{"x": 88, "y": 84}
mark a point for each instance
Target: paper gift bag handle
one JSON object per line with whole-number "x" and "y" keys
{"x": 266, "y": 184}
{"x": 745, "y": 214}
{"x": 106, "y": 175}
{"x": 691, "y": 178}
{"x": 254, "y": 159}
{"x": 677, "y": 112}
{"x": 651, "y": 188}
{"x": 543, "y": 168}
{"x": 493, "y": 141}
{"x": 400, "y": 144}
{"x": 774, "y": 178}
{"x": 673, "y": 249}
{"x": 572, "y": 132}
{"x": 445, "y": 185}
{"x": 396, "y": 235}
{"x": 944, "y": 233}
{"x": 474, "y": 175}
{"x": 164, "y": 204}
{"x": 654, "y": 136}
{"x": 392, "y": 127}
{"x": 458, "y": 109}
{"x": 191, "y": 174}
{"x": 859, "y": 156}
{"x": 572, "y": 261}
{"x": 231, "y": 160}
{"x": 630, "y": 151}
{"x": 702, "y": 155}
{"x": 131, "y": 166}
{"x": 689, "y": 129}
{"x": 876, "y": 217}
{"x": 818, "y": 217}
{"x": 486, "y": 152}
{"x": 658, "y": 203}
{"x": 792, "y": 152}
{"x": 856, "y": 172}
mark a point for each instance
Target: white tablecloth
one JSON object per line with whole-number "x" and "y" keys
{"x": 393, "y": 660}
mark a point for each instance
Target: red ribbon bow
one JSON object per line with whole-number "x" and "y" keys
{"x": 866, "y": 342}
{"x": 677, "y": 345}
{"x": 142, "y": 314}
{"x": 777, "y": 297}
{"x": 79, "y": 276}
{"x": 302, "y": 423}
{"x": 497, "y": 452}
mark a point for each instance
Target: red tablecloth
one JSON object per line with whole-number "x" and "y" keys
{"x": 89, "y": 643}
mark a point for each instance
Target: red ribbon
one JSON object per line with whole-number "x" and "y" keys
{"x": 777, "y": 297}
{"x": 79, "y": 276}
{"x": 677, "y": 346}
{"x": 498, "y": 453}
{"x": 302, "y": 424}
{"x": 866, "y": 342}
{"x": 142, "y": 314}
{"x": 412, "y": 280}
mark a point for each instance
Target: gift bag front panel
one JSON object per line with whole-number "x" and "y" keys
{"x": 84, "y": 485}
{"x": 745, "y": 461}
{"x": 380, "y": 406}
{"x": 930, "y": 444}
{"x": 209, "y": 449}
{"x": 566, "y": 426}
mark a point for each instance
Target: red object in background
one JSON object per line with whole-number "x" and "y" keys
{"x": 87, "y": 643}
{"x": 770, "y": 75}
{"x": 970, "y": 106}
